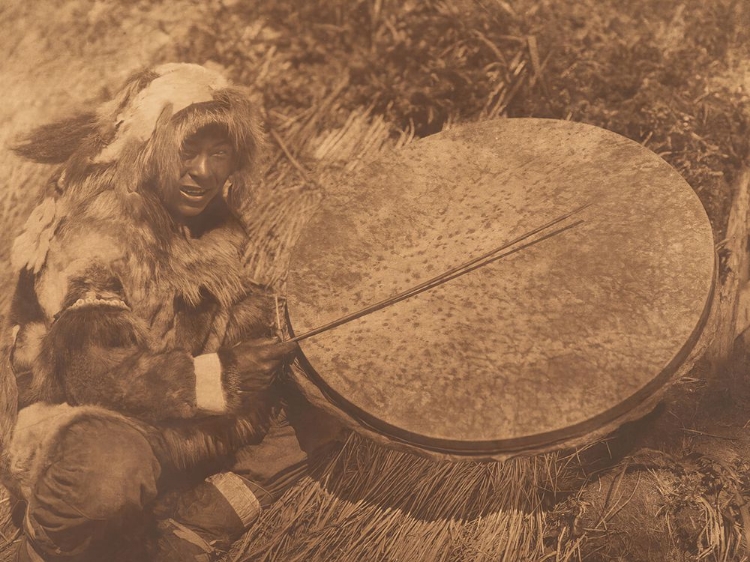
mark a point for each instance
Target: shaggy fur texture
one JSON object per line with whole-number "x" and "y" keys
{"x": 102, "y": 232}
{"x": 55, "y": 143}
{"x": 84, "y": 143}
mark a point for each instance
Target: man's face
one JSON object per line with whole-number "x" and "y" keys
{"x": 208, "y": 160}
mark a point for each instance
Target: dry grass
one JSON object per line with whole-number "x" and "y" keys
{"x": 371, "y": 503}
{"x": 343, "y": 81}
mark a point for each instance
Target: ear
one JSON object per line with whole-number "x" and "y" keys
{"x": 236, "y": 192}
{"x": 56, "y": 142}
{"x": 228, "y": 188}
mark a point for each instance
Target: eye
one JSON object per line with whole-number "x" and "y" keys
{"x": 221, "y": 152}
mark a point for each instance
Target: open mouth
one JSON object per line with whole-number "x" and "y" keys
{"x": 194, "y": 192}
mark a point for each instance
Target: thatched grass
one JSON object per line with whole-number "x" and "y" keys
{"x": 373, "y": 504}
{"x": 342, "y": 81}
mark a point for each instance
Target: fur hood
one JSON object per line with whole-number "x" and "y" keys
{"x": 116, "y": 163}
{"x": 104, "y": 205}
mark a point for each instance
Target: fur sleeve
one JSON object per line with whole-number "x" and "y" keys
{"x": 256, "y": 315}
{"x": 99, "y": 355}
{"x": 95, "y": 350}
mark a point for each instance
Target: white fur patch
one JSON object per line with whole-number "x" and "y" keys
{"x": 27, "y": 343}
{"x": 209, "y": 392}
{"x": 179, "y": 85}
{"x": 31, "y": 246}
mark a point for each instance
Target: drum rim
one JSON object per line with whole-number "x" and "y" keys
{"x": 544, "y": 440}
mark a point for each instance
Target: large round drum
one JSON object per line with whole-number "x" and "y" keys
{"x": 531, "y": 351}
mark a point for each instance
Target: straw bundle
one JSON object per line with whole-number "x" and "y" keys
{"x": 370, "y": 503}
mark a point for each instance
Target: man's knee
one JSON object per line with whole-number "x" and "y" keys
{"x": 102, "y": 467}
{"x": 99, "y": 472}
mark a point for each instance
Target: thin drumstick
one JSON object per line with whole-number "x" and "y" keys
{"x": 485, "y": 258}
{"x": 488, "y": 261}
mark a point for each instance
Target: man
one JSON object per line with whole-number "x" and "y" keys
{"x": 145, "y": 360}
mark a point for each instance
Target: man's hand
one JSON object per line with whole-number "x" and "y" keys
{"x": 248, "y": 373}
{"x": 257, "y": 362}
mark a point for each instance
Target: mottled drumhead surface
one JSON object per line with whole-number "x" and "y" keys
{"x": 541, "y": 346}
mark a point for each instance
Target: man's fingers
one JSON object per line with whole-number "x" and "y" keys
{"x": 287, "y": 348}
{"x": 256, "y": 342}
{"x": 278, "y": 350}
{"x": 258, "y": 364}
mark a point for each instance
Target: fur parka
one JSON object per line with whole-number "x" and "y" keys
{"x": 113, "y": 297}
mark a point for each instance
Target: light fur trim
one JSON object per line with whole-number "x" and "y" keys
{"x": 27, "y": 343}
{"x": 209, "y": 392}
{"x": 178, "y": 86}
{"x": 30, "y": 247}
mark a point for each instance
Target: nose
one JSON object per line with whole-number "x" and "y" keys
{"x": 197, "y": 166}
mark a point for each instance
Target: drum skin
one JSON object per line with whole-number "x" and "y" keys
{"x": 534, "y": 351}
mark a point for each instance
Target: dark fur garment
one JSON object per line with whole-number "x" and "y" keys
{"x": 102, "y": 232}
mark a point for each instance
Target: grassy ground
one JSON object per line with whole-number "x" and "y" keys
{"x": 338, "y": 81}
{"x": 642, "y": 68}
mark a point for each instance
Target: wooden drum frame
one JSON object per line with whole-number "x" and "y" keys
{"x": 546, "y": 346}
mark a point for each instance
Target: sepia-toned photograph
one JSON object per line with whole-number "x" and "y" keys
{"x": 375, "y": 281}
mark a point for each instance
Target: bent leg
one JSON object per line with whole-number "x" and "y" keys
{"x": 216, "y": 512}
{"x": 299, "y": 441}
{"x": 98, "y": 478}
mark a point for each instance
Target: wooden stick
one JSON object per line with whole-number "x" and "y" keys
{"x": 452, "y": 273}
